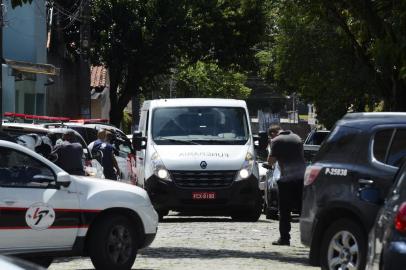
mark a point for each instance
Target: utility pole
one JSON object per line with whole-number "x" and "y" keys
{"x": 84, "y": 75}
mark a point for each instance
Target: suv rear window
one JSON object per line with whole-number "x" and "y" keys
{"x": 381, "y": 142}
{"x": 341, "y": 145}
{"x": 397, "y": 153}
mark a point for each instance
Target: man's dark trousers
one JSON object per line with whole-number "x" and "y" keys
{"x": 290, "y": 198}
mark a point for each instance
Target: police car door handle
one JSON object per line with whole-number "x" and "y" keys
{"x": 9, "y": 202}
{"x": 365, "y": 181}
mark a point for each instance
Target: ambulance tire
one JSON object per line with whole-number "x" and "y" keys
{"x": 252, "y": 215}
{"x": 113, "y": 243}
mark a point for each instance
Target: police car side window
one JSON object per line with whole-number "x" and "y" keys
{"x": 124, "y": 148}
{"x": 20, "y": 170}
{"x": 397, "y": 153}
{"x": 381, "y": 144}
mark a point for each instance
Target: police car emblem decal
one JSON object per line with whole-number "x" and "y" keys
{"x": 203, "y": 164}
{"x": 40, "y": 216}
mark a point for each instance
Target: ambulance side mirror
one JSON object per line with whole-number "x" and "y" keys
{"x": 63, "y": 179}
{"x": 138, "y": 141}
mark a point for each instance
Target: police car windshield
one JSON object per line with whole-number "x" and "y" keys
{"x": 203, "y": 125}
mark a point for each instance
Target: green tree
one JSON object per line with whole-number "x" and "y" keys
{"x": 140, "y": 40}
{"x": 340, "y": 55}
{"x": 316, "y": 60}
{"x": 209, "y": 80}
{"x": 377, "y": 32}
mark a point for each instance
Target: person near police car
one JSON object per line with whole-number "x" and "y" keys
{"x": 109, "y": 162}
{"x": 286, "y": 148}
{"x": 69, "y": 154}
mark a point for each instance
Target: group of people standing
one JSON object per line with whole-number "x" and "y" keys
{"x": 70, "y": 154}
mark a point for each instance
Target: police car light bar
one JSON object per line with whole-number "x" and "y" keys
{"x": 89, "y": 121}
{"x": 36, "y": 117}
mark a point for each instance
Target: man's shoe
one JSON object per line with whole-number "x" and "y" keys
{"x": 281, "y": 242}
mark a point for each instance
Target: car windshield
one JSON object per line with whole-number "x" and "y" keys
{"x": 317, "y": 138}
{"x": 200, "y": 125}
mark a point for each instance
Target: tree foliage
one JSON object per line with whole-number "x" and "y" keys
{"x": 139, "y": 40}
{"x": 340, "y": 55}
{"x": 209, "y": 80}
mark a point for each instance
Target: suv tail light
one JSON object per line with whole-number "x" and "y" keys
{"x": 400, "y": 220}
{"x": 311, "y": 174}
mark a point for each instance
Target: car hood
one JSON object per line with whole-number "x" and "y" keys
{"x": 202, "y": 157}
{"x": 95, "y": 185}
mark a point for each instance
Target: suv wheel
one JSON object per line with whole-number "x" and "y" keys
{"x": 343, "y": 246}
{"x": 112, "y": 244}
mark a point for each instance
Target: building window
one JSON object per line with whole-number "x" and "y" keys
{"x": 39, "y": 102}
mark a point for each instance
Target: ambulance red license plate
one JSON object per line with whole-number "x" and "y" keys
{"x": 204, "y": 195}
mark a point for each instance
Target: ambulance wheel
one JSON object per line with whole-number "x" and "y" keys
{"x": 252, "y": 215}
{"x": 113, "y": 244}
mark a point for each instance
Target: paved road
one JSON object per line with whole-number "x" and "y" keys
{"x": 213, "y": 243}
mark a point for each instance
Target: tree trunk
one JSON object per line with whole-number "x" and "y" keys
{"x": 129, "y": 90}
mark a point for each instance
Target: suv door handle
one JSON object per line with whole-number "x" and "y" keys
{"x": 365, "y": 181}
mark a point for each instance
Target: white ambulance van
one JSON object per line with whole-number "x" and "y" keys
{"x": 197, "y": 156}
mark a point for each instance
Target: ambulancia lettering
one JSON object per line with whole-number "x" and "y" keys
{"x": 204, "y": 154}
{"x": 336, "y": 172}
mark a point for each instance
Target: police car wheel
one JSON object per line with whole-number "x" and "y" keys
{"x": 343, "y": 246}
{"x": 112, "y": 244}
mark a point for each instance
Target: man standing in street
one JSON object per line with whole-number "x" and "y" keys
{"x": 69, "y": 154}
{"x": 287, "y": 150}
{"x": 109, "y": 162}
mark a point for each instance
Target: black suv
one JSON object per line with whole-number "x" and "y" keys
{"x": 346, "y": 185}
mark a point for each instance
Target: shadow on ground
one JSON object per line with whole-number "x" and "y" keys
{"x": 189, "y": 219}
{"x": 298, "y": 257}
{"x": 295, "y": 257}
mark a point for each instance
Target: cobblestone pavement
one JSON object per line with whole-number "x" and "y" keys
{"x": 185, "y": 242}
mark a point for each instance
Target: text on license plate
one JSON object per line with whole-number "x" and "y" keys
{"x": 203, "y": 195}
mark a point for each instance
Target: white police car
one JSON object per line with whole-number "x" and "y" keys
{"x": 47, "y": 213}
